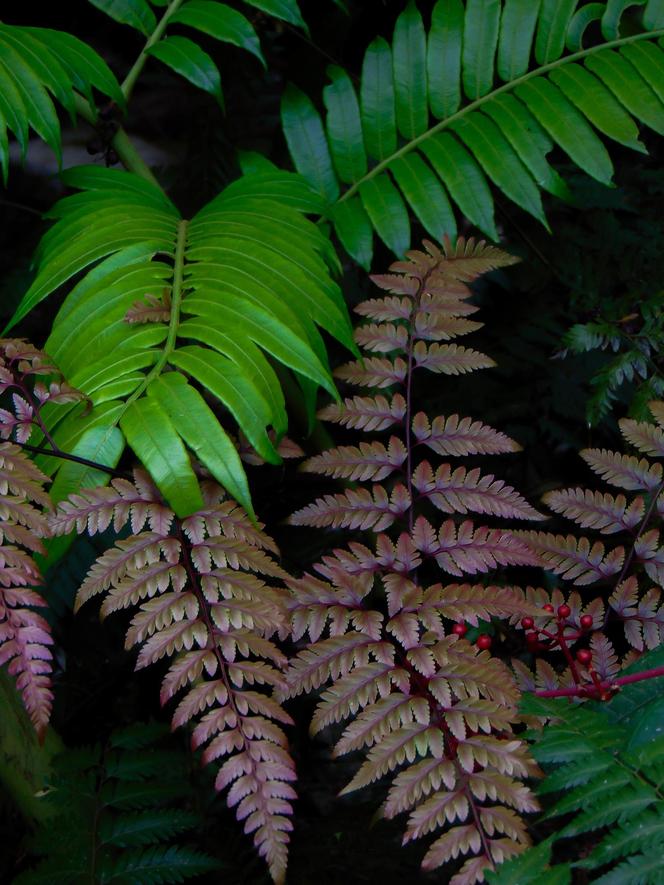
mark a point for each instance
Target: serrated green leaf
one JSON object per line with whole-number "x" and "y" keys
{"x": 344, "y": 128}
{"x": 480, "y": 40}
{"x": 444, "y": 57}
{"x": 388, "y": 214}
{"x": 141, "y": 828}
{"x": 188, "y": 59}
{"x": 377, "y": 101}
{"x": 135, "y": 13}
{"x": 410, "y": 74}
{"x": 425, "y": 195}
{"x": 156, "y": 865}
{"x": 221, "y": 22}
{"x": 517, "y": 29}
{"x": 464, "y": 180}
{"x": 151, "y": 434}
{"x": 567, "y": 127}
{"x": 201, "y": 431}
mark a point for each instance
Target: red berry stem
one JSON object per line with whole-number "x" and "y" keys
{"x": 606, "y": 686}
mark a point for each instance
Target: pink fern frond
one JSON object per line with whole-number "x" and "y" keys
{"x": 647, "y": 438}
{"x": 575, "y": 559}
{"x": 461, "y": 436}
{"x": 602, "y": 511}
{"x": 367, "y": 413}
{"x": 624, "y": 471}
{"x": 370, "y": 461}
{"x": 373, "y": 372}
{"x": 449, "y": 359}
{"x": 356, "y": 509}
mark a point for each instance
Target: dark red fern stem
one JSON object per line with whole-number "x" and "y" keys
{"x": 606, "y": 687}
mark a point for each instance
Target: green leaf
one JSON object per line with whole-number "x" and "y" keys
{"x": 140, "y": 828}
{"x": 187, "y": 59}
{"x": 500, "y": 162}
{"x": 353, "y": 227}
{"x": 598, "y": 105}
{"x": 581, "y": 19}
{"x": 517, "y": 28}
{"x": 156, "y": 865}
{"x": 377, "y": 101}
{"x": 567, "y": 127}
{"x": 410, "y": 74}
{"x": 554, "y": 20}
{"x": 222, "y": 379}
{"x": 628, "y": 87}
{"x": 648, "y": 60}
{"x": 199, "y": 428}
{"x": 103, "y": 445}
{"x": 464, "y": 179}
{"x": 479, "y": 46}
{"x": 286, "y": 10}
{"x": 653, "y": 16}
{"x": 152, "y": 436}
{"x": 344, "y": 128}
{"x": 444, "y": 57}
{"x": 525, "y": 869}
{"x": 135, "y": 13}
{"x": 221, "y": 22}
{"x": 425, "y": 195}
{"x": 387, "y": 212}
{"x": 306, "y": 140}
{"x": 44, "y": 64}
{"x": 612, "y": 16}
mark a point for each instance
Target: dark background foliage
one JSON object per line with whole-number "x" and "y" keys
{"x": 603, "y": 262}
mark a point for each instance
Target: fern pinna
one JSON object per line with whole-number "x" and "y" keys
{"x": 631, "y": 570}
{"x": 200, "y": 601}
{"x": 386, "y": 636}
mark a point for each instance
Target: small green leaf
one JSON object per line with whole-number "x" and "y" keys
{"x": 410, "y": 74}
{"x": 464, "y": 180}
{"x": 199, "y": 428}
{"x": 567, "y": 127}
{"x": 135, "y": 13}
{"x": 480, "y": 40}
{"x": 353, "y": 227}
{"x": 286, "y": 10}
{"x": 104, "y": 445}
{"x": 307, "y": 143}
{"x": 581, "y": 19}
{"x": 187, "y": 59}
{"x": 386, "y": 209}
{"x": 377, "y": 101}
{"x": 648, "y": 60}
{"x": 653, "y": 16}
{"x": 628, "y": 87}
{"x": 220, "y": 22}
{"x": 612, "y": 16}
{"x": 425, "y": 195}
{"x": 552, "y": 27}
{"x": 152, "y": 436}
{"x": 444, "y": 58}
{"x": 344, "y": 128}
{"x": 517, "y": 28}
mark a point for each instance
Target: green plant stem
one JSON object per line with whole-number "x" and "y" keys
{"x": 121, "y": 144}
{"x": 130, "y": 80}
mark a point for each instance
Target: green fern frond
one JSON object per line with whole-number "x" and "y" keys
{"x": 38, "y": 66}
{"x": 243, "y": 282}
{"x": 441, "y": 114}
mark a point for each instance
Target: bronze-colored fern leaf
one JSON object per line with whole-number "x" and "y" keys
{"x": 197, "y": 600}
{"x": 431, "y": 710}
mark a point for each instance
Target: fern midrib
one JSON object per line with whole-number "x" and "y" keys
{"x": 475, "y": 105}
{"x": 173, "y": 324}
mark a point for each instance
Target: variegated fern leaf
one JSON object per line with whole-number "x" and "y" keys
{"x": 197, "y": 590}
{"x": 484, "y": 95}
{"x": 431, "y": 710}
{"x": 629, "y": 560}
{"x": 38, "y": 65}
{"x": 169, "y": 311}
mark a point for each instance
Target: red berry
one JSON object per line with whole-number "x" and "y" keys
{"x": 564, "y": 611}
{"x": 548, "y": 607}
{"x": 586, "y": 622}
{"x": 527, "y": 623}
{"x": 483, "y": 641}
{"x": 584, "y": 656}
{"x": 532, "y": 638}
{"x": 460, "y": 629}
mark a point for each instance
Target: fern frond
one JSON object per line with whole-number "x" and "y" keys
{"x": 460, "y": 436}
{"x": 373, "y": 372}
{"x": 369, "y": 461}
{"x": 25, "y": 636}
{"x": 647, "y": 438}
{"x": 482, "y": 98}
{"x": 356, "y": 509}
{"x": 450, "y": 359}
{"x": 367, "y": 413}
